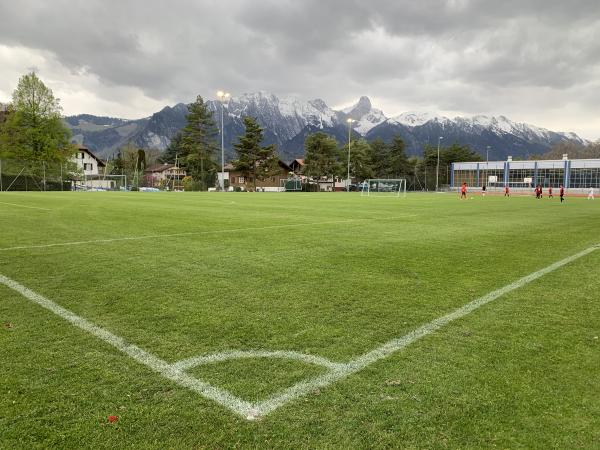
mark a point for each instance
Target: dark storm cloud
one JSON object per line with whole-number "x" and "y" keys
{"x": 462, "y": 55}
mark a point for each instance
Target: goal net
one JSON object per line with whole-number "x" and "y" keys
{"x": 383, "y": 187}
{"x": 291, "y": 184}
{"x": 100, "y": 183}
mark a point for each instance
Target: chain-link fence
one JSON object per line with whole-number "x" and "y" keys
{"x": 20, "y": 175}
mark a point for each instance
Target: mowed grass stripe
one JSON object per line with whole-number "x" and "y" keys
{"x": 339, "y": 371}
{"x": 199, "y": 233}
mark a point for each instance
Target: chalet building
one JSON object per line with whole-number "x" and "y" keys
{"x": 91, "y": 171}
{"x": 272, "y": 184}
{"x": 88, "y": 163}
{"x": 297, "y": 165}
{"x": 165, "y": 176}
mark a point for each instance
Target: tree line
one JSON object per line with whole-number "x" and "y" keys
{"x": 31, "y": 129}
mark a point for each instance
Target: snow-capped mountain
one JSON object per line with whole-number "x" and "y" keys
{"x": 365, "y": 116}
{"x": 288, "y": 120}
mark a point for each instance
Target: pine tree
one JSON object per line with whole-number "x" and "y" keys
{"x": 254, "y": 161}
{"x": 198, "y": 144}
{"x": 322, "y": 156}
{"x": 398, "y": 164}
{"x": 380, "y": 151}
{"x": 361, "y": 160}
{"x": 174, "y": 151}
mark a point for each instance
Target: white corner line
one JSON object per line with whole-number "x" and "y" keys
{"x": 25, "y": 206}
{"x": 337, "y": 371}
{"x": 304, "y": 387}
{"x": 194, "y": 233}
{"x": 195, "y": 361}
{"x": 149, "y": 360}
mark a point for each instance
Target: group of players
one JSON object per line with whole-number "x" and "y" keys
{"x": 538, "y": 192}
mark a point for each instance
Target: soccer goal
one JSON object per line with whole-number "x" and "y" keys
{"x": 290, "y": 185}
{"x": 383, "y": 187}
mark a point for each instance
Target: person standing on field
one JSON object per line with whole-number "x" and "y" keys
{"x": 591, "y": 193}
{"x": 483, "y": 190}
{"x": 506, "y": 191}
{"x": 562, "y": 193}
{"x": 550, "y": 192}
{"x": 463, "y": 191}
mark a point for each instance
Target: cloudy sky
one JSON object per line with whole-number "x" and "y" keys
{"x": 536, "y": 61}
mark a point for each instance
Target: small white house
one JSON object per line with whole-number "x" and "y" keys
{"x": 92, "y": 169}
{"x": 87, "y": 162}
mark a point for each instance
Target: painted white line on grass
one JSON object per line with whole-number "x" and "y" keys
{"x": 307, "y": 386}
{"x": 165, "y": 369}
{"x": 337, "y": 371}
{"x": 25, "y": 206}
{"x": 196, "y": 233}
{"x": 187, "y": 364}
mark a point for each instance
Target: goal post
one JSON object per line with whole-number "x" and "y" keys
{"x": 382, "y": 187}
{"x": 290, "y": 185}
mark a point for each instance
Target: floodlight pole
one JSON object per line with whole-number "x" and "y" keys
{"x": 349, "y": 120}
{"x": 487, "y": 163}
{"x": 223, "y": 96}
{"x": 437, "y": 169}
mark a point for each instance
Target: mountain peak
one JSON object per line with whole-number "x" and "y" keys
{"x": 359, "y": 109}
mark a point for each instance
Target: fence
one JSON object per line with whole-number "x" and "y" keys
{"x": 19, "y": 175}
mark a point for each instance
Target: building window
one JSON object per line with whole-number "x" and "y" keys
{"x": 242, "y": 180}
{"x": 232, "y": 180}
{"x": 81, "y": 154}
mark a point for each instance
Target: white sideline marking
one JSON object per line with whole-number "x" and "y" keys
{"x": 304, "y": 387}
{"x": 337, "y": 371}
{"x": 24, "y": 206}
{"x": 153, "y": 362}
{"x": 196, "y": 233}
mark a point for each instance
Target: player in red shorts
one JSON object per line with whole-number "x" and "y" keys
{"x": 562, "y": 193}
{"x": 550, "y": 192}
{"x": 463, "y": 191}
{"x": 506, "y": 191}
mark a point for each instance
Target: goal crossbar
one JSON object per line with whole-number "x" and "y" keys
{"x": 384, "y": 187}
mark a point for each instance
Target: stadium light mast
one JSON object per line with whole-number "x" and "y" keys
{"x": 349, "y": 120}
{"x": 223, "y": 98}
{"x": 487, "y": 163}
{"x": 437, "y": 169}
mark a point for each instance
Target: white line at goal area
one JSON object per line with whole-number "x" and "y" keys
{"x": 383, "y": 187}
{"x": 336, "y": 371}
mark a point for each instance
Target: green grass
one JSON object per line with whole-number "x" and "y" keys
{"x": 331, "y": 275}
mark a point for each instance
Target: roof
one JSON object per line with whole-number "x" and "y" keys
{"x": 299, "y": 161}
{"x": 83, "y": 148}
{"x": 229, "y": 167}
{"x": 161, "y": 167}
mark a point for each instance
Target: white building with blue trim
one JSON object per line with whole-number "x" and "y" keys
{"x": 570, "y": 173}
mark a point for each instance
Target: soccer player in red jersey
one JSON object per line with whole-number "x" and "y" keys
{"x": 562, "y": 193}
{"x": 506, "y": 191}
{"x": 550, "y": 192}
{"x": 463, "y": 191}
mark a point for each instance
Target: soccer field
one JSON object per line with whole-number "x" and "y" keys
{"x": 298, "y": 320}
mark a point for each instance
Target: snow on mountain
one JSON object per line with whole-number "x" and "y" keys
{"x": 415, "y": 119}
{"x": 365, "y": 115}
{"x": 288, "y": 120}
{"x": 499, "y": 125}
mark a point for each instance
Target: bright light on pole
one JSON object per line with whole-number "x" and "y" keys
{"x": 437, "y": 169}
{"x": 223, "y": 98}
{"x": 348, "y": 174}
